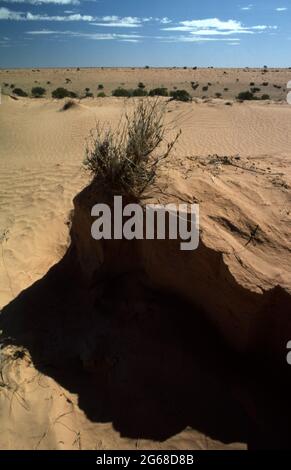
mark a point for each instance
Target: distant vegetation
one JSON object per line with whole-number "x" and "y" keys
{"x": 88, "y": 93}
{"x": 139, "y": 92}
{"x": 245, "y": 96}
{"x": 60, "y": 93}
{"x": 181, "y": 95}
{"x": 255, "y": 89}
{"x": 159, "y": 92}
{"x": 19, "y": 92}
{"x": 248, "y": 95}
{"x": 101, "y": 95}
{"x": 194, "y": 85}
{"x": 121, "y": 92}
{"x": 38, "y": 91}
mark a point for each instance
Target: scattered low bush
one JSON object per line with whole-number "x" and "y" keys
{"x": 101, "y": 95}
{"x": 159, "y": 92}
{"x": 100, "y": 86}
{"x": 60, "y": 93}
{"x": 218, "y": 95}
{"x": 265, "y": 97}
{"x": 19, "y": 92}
{"x": 38, "y": 91}
{"x": 265, "y": 83}
{"x": 181, "y": 95}
{"x": 121, "y": 92}
{"x": 139, "y": 92}
{"x": 194, "y": 85}
{"x": 205, "y": 88}
{"x": 141, "y": 85}
{"x": 245, "y": 96}
{"x": 255, "y": 89}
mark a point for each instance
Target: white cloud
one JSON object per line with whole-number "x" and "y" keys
{"x": 164, "y": 20}
{"x": 6, "y": 14}
{"x": 42, "y": 31}
{"x": 281, "y": 9}
{"x": 129, "y": 40}
{"x": 92, "y": 36}
{"x": 112, "y": 21}
{"x": 117, "y": 22}
{"x": 214, "y": 26}
{"x": 247, "y": 7}
{"x": 43, "y": 2}
{"x": 128, "y": 21}
{"x": 184, "y": 38}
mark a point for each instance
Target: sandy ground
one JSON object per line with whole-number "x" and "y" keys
{"x": 41, "y": 155}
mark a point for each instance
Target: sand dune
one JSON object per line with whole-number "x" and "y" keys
{"x": 41, "y": 155}
{"x": 42, "y": 150}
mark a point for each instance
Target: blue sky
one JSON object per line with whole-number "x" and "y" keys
{"x": 225, "y": 33}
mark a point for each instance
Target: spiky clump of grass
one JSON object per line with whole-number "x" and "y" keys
{"x": 124, "y": 160}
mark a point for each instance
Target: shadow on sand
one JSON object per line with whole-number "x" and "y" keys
{"x": 145, "y": 361}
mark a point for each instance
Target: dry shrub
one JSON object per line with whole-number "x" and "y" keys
{"x": 68, "y": 104}
{"x": 124, "y": 160}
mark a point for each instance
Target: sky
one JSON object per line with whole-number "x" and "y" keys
{"x": 136, "y": 33}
